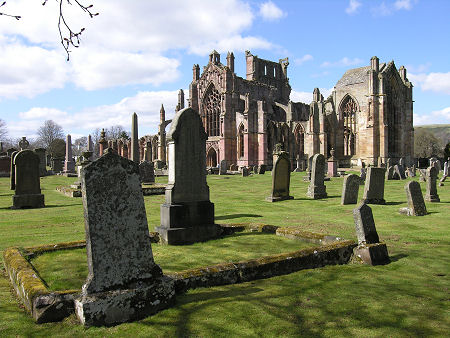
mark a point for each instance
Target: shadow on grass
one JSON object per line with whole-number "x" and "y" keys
{"x": 60, "y": 206}
{"x": 395, "y": 203}
{"x": 235, "y": 216}
{"x": 395, "y": 258}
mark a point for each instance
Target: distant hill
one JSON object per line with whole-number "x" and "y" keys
{"x": 441, "y": 131}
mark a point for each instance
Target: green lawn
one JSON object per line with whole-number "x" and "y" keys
{"x": 408, "y": 297}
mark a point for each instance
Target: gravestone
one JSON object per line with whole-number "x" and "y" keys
{"x": 281, "y": 178}
{"x": 159, "y": 164}
{"x": 398, "y": 174}
{"x": 12, "y": 175}
{"x": 369, "y": 249}
{"x": 261, "y": 169}
{"x": 317, "y": 188}
{"x": 57, "y": 165}
{"x": 124, "y": 283}
{"x": 445, "y": 174}
{"x": 134, "y": 139}
{"x": 332, "y": 165}
{"x": 374, "y": 186}
{"x": 146, "y": 172}
{"x": 423, "y": 175}
{"x": 416, "y": 204}
{"x": 223, "y": 167}
{"x": 10, "y": 151}
{"x": 148, "y": 151}
{"x": 27, "y": 183}
{"x": 299, "y": 164}
{"x": 431, "y": 194}
{"x": 69, "y": 164}
{"x": 24, "y": 144}
{"x": 5, "y": 166}
{"x": 389, "y": 173}
{"x": 42, "y": 161}
{"x": 233, "y": 167}
{"x": 307, "y": 177}
{"x": 245, "y": 171}
{"x": 350, "y": 189}
{"x": 187, "y": 216}
{"x": 362, "y": 175}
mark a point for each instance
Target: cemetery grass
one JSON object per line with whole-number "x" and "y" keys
{"x": 408, "y": 297}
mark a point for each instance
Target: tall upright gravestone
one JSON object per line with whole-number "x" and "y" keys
{"x": 42, "y": 161}
{"x": 281, "y": 179}
{"x": 69, "y": 164}
{"x": 27, "y": 183}
{"x": 147, "y": 172}
{"x": 416, "y": 204}
{"x": 317, "y": 188}
{"x": 431, "y": 177}
{"x": 187, "y": 216}
{"x": 123, "y": 282}
{"x": 374, "y": 187}
{"x": 12, "y": 176}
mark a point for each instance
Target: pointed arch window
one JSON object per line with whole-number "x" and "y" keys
{"x": 241, "y": 141}
{"x": 349, "y": 109}
{"x": 300, "y": 141}
{"x": 211, "y": 112}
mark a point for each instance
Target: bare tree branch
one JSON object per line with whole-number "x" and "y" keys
{"x": 17, "y": 17}
{"x": 69, "y": 37}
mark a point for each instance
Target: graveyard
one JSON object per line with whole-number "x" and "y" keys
{"x": 408, "y": 296}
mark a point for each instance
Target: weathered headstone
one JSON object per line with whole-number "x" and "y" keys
{"x": 42, "y": 161}
{"x": 57, "y": 165}
{"x": 423, "y": 175}
{"x": 24, "y": 144}
{"x": 398, "y": 174}
{"x": 12, "y": 176}
{"x": 362, "y": 175}
{"x": 281, "y": 178}
{"x": 245, "y": 171}
{"x": 10, "y": 151}
{"x": 374, "y": 187}
{"x": 317, "y": 188}
{"x": 123, "y": 283}
{"x": 431, "y": 194}
{"x": 134, "y": 139}
{"x": 416, "y": 204}
{"x": 27, "y": 186}
{"x": 261, "y": 169}
{"x": 369, "y": 249}
{"x": 69, "y": 164}
{"x": 159, "y": 164}
{"x": 5, "y": 166}
{"x": 350, "y": 189}
{"x": 233, "y": 167}
{"x": 223, "y": 167}
{"x": 307, "y": 177}
{"x": 187, "y": 216}
{"x": 146, "y": 172}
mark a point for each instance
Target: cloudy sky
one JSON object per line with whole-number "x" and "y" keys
{"x": 135, "y": 54}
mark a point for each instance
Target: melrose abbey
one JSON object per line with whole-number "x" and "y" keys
{"x": 368, "y": 117}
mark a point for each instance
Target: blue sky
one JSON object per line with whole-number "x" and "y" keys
{"x": 136, "y": 54}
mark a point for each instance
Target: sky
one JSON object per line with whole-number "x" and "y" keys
{"x": 136, "y": 55}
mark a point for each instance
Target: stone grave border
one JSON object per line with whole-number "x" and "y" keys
{"x": 147, "y": 190}
{"x": 45, "y": 305}
{"x": 69, "y": 191}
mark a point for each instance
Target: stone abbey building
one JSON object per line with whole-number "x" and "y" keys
{"x": 367, "y": 118}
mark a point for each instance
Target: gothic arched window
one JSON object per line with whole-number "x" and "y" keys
{"x": 211, "y": 112}
{"x": 241, "y": 141}
{"x": 349, "y": 109}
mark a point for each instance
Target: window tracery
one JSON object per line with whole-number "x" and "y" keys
{"x": 211, "y": 112}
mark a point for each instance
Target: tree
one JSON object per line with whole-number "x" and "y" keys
{"x": 57, "y": 149}
{"x": 79, "y": 145}
{"x": 3, "y": 130}
{"x": 49, "y": 132}
{"x": 426, "y": 144}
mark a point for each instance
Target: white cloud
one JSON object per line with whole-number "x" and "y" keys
{"x": 306, "y": 97}
{"x": 146, "y": 104}
{"x": 270, "y": 12}
{"x": 435, "y": 117}
{"x": 403, "y": 4}
{"x": 387, "y": 9}
{"x": 344, "y": 62}
{"x": 353, "y": 7}
{"x": 29, "y": 71}
{"x": 126, "y": 44}
{"x": 303, "y": 59}
{"x": 435, "y": 82}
